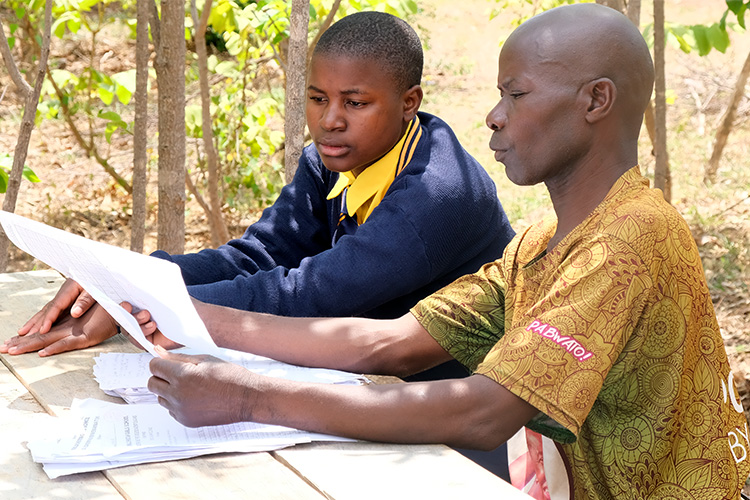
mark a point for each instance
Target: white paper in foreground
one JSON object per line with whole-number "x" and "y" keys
{"x": 98, "y": 435}
{"x": 113, "y": 275}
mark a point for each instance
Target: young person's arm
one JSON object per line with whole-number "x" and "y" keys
{"x": 474, "y": 412}
{"x": 395, "y": 347}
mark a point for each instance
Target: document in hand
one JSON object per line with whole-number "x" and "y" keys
{"x": 126, "y": 375}
{"x": 113, "y": 275}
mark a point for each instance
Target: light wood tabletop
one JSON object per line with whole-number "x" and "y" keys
{"x": 32, "y": 388}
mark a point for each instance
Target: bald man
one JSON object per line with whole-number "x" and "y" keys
{"x": 595, "y": 329}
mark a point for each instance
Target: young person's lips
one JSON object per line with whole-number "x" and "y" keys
{"x": 332, "y": 150}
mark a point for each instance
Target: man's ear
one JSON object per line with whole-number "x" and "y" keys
{"x": 600, "y": 94}
{"x": 412, "y": 100}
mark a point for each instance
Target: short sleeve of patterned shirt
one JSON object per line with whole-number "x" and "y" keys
{"x": 612, "y": 336}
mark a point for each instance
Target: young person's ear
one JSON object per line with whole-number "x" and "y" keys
{"x": 600, "y": 94}
{"x": 412, "y": 100}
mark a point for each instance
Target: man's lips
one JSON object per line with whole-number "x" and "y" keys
{"x": 499, "y": 151}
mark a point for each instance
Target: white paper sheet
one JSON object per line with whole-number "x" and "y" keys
{"x": 126, "y": 374}
{"x": 98, "y": 435}
{"x": 113, "y": 275}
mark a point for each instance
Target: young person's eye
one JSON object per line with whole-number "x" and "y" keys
{"x": 517, "y": 95}
{"x": 316, "y": 98}
{"x": 356, "y": 104}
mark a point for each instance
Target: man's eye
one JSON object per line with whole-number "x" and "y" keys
{"x": 517, "y": 95}
{"x": 356, "y": 104}
{"x": 315, "y": 98}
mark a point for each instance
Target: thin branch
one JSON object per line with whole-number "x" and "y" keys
{"x": 22, "y": 85}
{"x": 155, "y": 24}
{"x": 219, "y": 232}
{"x": 91, "y": 150}
{"x": 326, "y": 24}
{"x": 24, "y": 134}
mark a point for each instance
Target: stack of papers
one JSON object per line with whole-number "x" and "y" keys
{"x": 126, "y": 375}
{"x": 98, "y": 435}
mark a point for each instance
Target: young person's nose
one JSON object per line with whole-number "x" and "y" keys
{"x": 332, "y": 118}
{"x": 496, "y": 118}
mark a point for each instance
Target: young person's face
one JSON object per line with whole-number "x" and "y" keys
{"x": 355, "y": 113}
{"x": 537, "y": 125}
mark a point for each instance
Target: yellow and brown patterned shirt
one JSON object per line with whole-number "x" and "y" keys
{"x": 613, "y": 337}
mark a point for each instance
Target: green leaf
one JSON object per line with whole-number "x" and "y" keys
{"x": 29, "y": 175}
{"x": 125, "y": 79}
{"x": 741, "y": 16}
{"x": 6, "y": 164}
{"x": 718, "y": 37}
{"x": 105, "y": 94}
{"x": 123, "y": 94}
{"x": 110, "y": 115}
{"x": 684, "y": 45}
{"x": 58, "y": 28}
{"x": 109, "y": 130}
{"x": 735, "y": 6}
{"x": 701, "y": 39}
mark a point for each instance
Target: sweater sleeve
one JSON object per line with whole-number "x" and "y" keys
{"x": 295, "y": 226}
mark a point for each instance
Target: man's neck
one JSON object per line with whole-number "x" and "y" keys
{"x": 579, "y": 193}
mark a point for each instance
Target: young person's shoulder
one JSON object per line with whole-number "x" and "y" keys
{"x": 441, "y": 154}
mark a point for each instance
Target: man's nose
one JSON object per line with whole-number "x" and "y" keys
{"x": 496, "y": 118}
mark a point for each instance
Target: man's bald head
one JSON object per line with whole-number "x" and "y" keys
{"x": 583, "y": 42}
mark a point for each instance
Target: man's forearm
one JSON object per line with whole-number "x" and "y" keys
{"x": 474, "y": 412}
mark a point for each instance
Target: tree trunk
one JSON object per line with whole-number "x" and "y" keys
{"x": 294, "y": 105}
{"x": 618, "y": 5}
{"x": 24, "y": 133}
{"x": 140, "y": 128}
{"x": 219, "y": 232}
{"x": 725, "y": 128}
{"x": 662, "y": 175}
{"x": 633, "y": 12}
{"x": 170, "y": 77}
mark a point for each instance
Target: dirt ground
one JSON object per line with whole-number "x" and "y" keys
{"x": 462, "y": 45}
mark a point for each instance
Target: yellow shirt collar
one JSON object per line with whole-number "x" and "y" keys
{"x": 366, "y": 190}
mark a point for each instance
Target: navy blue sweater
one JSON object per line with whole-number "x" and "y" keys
{"x": 439, "y": 220}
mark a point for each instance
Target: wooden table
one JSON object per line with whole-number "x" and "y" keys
{"x": 31, "y": 387}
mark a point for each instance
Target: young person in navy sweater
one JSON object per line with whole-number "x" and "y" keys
{"x": 386, "y": 207}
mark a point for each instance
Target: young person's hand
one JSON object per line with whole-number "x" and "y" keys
{"x": 200, "y": 390}
{"x": 149, "y": 328}
{"x": 68, "y": 333}
{"x": 71, "y": 298}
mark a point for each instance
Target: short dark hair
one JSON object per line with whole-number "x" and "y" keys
{"x": 380, "y": 37}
